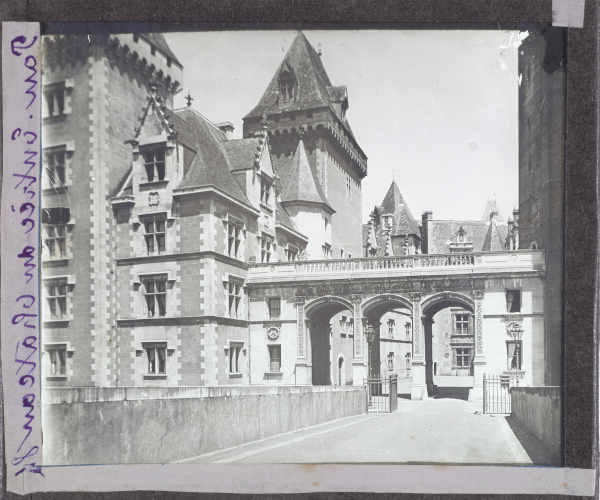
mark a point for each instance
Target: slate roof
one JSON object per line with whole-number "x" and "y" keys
{"x": 314, "y": 89}
{"x": 210, "y": 166}
{"x": 300, "y": 182}
{"x": 444, "y": 233}
{"x": 158, "y": 40}
{"x": 403, "y": 220}
{"x": 241, "y": 153}
{"x": 283, "y": 218}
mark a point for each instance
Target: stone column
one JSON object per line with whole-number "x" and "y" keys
{"x": 358, "y": 361}
{"x": 302, "y": 375}
{"x": 428, "y": 341}
{"x": 476, "y": 393}
{"x": 419, "y": 382}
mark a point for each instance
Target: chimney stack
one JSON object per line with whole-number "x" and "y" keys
{"x": 427, "y": 223}
{"x": 227, "y": 128}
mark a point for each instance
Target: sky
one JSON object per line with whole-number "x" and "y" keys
{"x": 436, "y": 111}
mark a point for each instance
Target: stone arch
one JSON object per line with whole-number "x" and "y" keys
{"x": 329, "y": 300}
{"x": 370, "y": 304}
{"x": 438, "y": 301}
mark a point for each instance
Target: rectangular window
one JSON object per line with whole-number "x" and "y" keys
{"x": 58, "y": 360}
{"x": 408, "y": 328}
{"x": 462, "y": 357}
{"x": 234, "y": 293}
{"x": 348, "y": 186}
{"x": 234, "y": 239}
{"x": 56, "y": 240}
{"x": 513, "y": 301}
{"x": 391, "y": 328}
{"x": 274, "y": 307}
{"x": 266, "y": 244}
{"x": 326, "y": 251}
{"x": 408, "y": 362}
{"x": 155, "y": 236}
{"x": 55, "y": 168}
{"x": 462, "y": 324}
{"x": 275, "y": 358}
{"x": 154, "y": 163}
{"x": 54, "y": 97}
{"x": 155, "y": 293}
{"x": 514, "y": 354}
{"x": 291, "y": 253}
{"x": 391, "y": 361}
{"x": 234, "y": 358}
{"x": 265, "y": 190}
{"x": 157, "y": 358}
{"x": 57, "y": 300}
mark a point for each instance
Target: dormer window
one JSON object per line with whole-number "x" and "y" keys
{"x": 265, "y": 190}
{"x": 154, "y": 163}
{"x": 286, "y": 86}
{"x": 460, "y": 235}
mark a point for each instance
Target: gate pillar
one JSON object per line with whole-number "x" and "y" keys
{"x": 428, "y": 341}
{"x": 476, "y": 393}
{"x": 302, "y": 368}
{"x": 419, "y": 381}
{"x": 358, "y": 361}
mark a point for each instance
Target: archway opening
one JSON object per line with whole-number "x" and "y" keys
{"x": 391, "y": 350}
{"x": 331, "y": 330}
{"x": 449, "y": 328}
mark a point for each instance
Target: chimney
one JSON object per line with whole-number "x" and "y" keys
{"x": 227, "y": 128}
{"x": 427, "y": 224}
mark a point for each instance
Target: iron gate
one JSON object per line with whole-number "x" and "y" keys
{"x": 382, "y": 394}
{"x": 496, "y": 394}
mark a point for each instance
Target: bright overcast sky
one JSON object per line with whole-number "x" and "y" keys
{"x": 437, "y": 110}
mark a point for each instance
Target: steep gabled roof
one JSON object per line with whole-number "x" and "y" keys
{"x": 403, "y": 220}
{"x": 314, "y": 89}
{"x": 241, "y": 152}
{"x": 210, "y": 166}
{"x": 300, "y": 182}
{"x": 489, "y": 207}
{"x": 493, "y": 240}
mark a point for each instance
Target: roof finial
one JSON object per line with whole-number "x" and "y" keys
{"x": 189, "y": 100}
{"x": 320, "y": 52}
{"x": 301, "y": 132}
{"x": 264, "y": 123}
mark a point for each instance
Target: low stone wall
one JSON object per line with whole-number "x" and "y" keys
{"x": 160, "y": 425}
{"x": 539, "y": 409}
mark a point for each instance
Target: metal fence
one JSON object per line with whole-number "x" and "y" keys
{"x": 496, "y": 394}
{"x": 382, "y": 394}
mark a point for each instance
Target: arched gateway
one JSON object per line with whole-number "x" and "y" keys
{"x": 330, "y": 308}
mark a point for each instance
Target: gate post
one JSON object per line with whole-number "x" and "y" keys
{"x": 419, "y": 383}
{"x": 302, "y": 375}
{"x": 358, "y": 361}
{"x": 476, "y": 393}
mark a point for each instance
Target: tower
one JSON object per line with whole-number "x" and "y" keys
{"x": 301, "y": 99}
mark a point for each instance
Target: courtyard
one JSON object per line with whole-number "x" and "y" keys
{"x": 441, "y": 431}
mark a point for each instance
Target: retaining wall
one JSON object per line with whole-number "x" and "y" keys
{"x": 539, "y": 409}
{"x": 160, "y": 425}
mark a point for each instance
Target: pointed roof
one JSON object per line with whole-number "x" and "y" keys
{"x": 490, "y": 206}
{"x": 403, "y": 220}
{"x": 493, "y": 240}
{"x": 300, "y": 182}
{"x": 314, "y": 89}
{"x": 210, "y": 165}
{"x": 159, "y": 41}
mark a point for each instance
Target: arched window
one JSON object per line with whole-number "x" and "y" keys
{"x": 286, "y": 86}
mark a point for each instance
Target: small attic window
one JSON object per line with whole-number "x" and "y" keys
{"x": 154, "y": 163}
{"x": 153, "y": 50}
{"x": 286, "y": 86}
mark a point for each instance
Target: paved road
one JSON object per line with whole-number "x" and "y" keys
{"x": 433, "y": 431}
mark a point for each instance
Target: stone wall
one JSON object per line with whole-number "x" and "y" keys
{"x": 539, "y": 409}
{"x": 154, "y": 425}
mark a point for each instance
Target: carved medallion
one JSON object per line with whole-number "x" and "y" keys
{"x": 514, "y": 329}
{"x": 153, "y": 198}
{"x": 273, "y": 333}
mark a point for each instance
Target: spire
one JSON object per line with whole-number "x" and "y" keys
{"x": 300, "y": 183}
{"x": 372, "y": 247}
{"x": 395, "y": 204}
{"x": 490, "y": 207}
{"x": 493, "y": 240}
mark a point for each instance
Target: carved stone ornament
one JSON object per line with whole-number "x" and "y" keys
{"x": 153, "y": 198}
{"x": 273, "y": 330}
{"x": 514, "y": 329}
{"x": 478, "y": 294}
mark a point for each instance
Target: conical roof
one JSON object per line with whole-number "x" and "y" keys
{"x": 300, "y": 182}
{"x": 403, "y": 220}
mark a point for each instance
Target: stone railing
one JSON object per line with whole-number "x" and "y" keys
{"x": 521, "y": 260}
